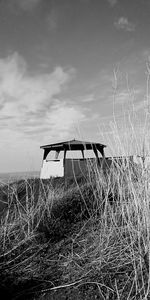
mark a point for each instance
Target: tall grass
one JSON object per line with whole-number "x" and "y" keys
{"x": 91, "y": 238}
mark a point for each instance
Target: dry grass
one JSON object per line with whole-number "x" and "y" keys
{"x": 87, "y": 241}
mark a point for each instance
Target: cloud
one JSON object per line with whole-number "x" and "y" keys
{"x": 87, "y": 98}
{"x": 57, "y": 123}
{"x": 31, "y": 104}
{"x": 85, "y": 1}
{"x": 123, "y": 24}
{"x": 52, "y": 19}
{"x": 62, "y": 119}
{"x": 112, "y": 2}
{"x": 25, "y": 5}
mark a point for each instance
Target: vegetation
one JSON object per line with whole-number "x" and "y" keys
{"x": 87, "y": 239}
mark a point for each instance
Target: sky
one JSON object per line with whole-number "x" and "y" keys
{"x": 71, "y": 69}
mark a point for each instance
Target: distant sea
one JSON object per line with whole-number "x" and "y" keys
{"x": 6, "y": 178}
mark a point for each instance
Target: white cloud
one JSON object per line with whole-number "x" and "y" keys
{"x": 52, "y": 19}
{"x": 62, "y": 119}
{"x": 30, "y": 92}
{"x": 123, "y": 24}
{"x": 85, "y": 1}
{"x": 59, "y": 122}
{"x": 30, "y": 104}
{"x": 112, "y": 2}
{"x": 87, "y": 98}
{"x": 26, "y": 5}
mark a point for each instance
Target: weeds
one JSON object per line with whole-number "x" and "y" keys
{"x": 88, "y": 240}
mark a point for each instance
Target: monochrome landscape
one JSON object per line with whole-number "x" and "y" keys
{"x": 75, "y": 77}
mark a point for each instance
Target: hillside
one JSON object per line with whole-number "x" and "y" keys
{"x": 87, "y": 239}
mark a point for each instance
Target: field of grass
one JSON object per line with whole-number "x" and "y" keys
{"x": 87, "y": 239}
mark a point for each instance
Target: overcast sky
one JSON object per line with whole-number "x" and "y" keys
{"x": 61, "y": 61}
